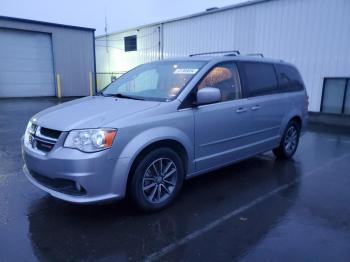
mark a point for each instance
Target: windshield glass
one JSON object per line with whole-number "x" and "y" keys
{"x": 160, "y": 81}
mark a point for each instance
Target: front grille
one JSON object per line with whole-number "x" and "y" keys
{"x": 50, "y": 132}
{"x": 44, "y": 139}
{"x": 62, "y": 185}
{"x": 44, "y": 145}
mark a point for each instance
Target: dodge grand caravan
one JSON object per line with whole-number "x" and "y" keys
{"x": 164, "y": 122}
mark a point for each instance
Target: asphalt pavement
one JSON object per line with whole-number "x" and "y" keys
{"x": 260, "y": 209}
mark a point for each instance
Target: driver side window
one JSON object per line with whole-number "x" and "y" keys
{"x": 223, "y": 76}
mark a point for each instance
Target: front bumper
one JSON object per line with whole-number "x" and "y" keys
{"x": 77, "y": 177}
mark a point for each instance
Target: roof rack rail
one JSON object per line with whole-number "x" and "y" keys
{"x": 229, "y": 53}
{"x": 255, "y": 54}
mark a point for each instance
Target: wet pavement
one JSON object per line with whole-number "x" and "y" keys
{"x": 260, "y": 209}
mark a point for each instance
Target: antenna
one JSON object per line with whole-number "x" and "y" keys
{"x": 107, "y": 48}
{"x": 106, "y": 31}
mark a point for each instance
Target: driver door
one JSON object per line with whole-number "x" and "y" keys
{"x": 222, "y": 130}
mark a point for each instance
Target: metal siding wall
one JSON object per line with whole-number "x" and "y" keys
{"x": 112, "y": 58}
{"x": 312, "y": 34}
{"x": 73, "y": 54}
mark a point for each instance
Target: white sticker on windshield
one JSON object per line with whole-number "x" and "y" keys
{"x": 188, "y": 71}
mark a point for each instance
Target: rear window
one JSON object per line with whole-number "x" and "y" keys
{"x": 289, "y": 78}
{"x": 260, "y": 78}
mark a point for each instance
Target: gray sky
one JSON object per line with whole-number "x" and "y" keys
{"x": 120, "y": 14}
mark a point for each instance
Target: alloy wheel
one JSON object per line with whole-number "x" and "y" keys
{"x": 159, "y": 180}
{"x": 291, "y": 140}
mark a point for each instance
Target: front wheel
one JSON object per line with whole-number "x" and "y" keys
{"x": 289, "y": 142}
{"x": 157, "y": 179}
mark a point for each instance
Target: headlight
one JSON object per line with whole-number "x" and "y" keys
{"x": 90, "y": 140}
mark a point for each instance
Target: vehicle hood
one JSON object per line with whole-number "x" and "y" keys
{"x": 89, "y": 112}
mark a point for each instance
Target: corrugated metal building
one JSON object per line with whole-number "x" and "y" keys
{"x": 45, "y": 59}
{"x": 313, "y": 34}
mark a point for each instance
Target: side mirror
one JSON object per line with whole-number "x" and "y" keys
{"x": 208, "y": 95}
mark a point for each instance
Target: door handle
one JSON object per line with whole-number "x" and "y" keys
{"x": 241, "y": 110}
{"x": 256, "y": 107}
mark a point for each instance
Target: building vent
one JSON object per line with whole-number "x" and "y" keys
{"x": 130, "y": 43}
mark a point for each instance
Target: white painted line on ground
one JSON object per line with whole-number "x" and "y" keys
{"x": 156, "y": 255}
{"x": 340, "y": 139}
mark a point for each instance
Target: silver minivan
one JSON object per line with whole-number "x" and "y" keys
{"x": 164, "y": 122}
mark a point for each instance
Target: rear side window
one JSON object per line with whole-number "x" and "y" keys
{"x": 260, "y": 78}
{"x": 289, "y": 78}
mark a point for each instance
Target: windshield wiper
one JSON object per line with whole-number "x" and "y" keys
{"x": 128, "y": 97}
{"x": 123, "y": 96}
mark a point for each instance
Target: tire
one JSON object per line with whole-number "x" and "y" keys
{"x": 289, "y": 142}
{"x": 157, "y": 179}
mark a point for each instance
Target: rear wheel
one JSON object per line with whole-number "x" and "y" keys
{"x": 157, "y": 179}
{"x": 289, "y": 142}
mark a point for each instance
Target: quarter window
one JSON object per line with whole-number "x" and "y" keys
{"x": 336, "y": 96}
{"x": 260, "y": 78}
{"x": 224, "y": 77}
{"x": 289, "y": 78}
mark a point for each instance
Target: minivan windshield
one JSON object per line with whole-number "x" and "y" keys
{"x": 159, "y": 81}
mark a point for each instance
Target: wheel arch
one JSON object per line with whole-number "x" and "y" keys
{"x": 148, "y": 139}
{"x": 296, "y": 119}
{"x": 169, "y": 143}
{"x": 173, "y": 144}
{"x": 290, "y": 116}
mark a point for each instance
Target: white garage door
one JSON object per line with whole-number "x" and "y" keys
{"x": 26, "y": 66}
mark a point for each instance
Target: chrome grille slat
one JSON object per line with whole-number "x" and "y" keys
{"x": 45, "y": 139}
